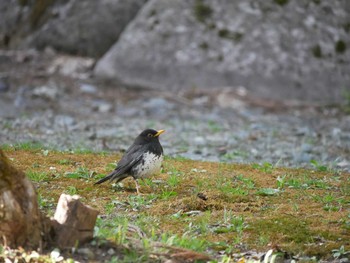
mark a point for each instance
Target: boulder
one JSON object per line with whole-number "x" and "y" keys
{"x": 277, "y": 49}
{"x": 87, "y": 28}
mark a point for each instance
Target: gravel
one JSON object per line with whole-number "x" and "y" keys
{"x": 65, "y": 113}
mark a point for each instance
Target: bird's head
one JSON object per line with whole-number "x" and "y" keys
{"x": 149, "y": 135}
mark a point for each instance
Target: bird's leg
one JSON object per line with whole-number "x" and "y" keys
{"x": 137, "y": 187}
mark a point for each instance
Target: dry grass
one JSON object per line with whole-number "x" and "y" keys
{"x": 229, "y": 207}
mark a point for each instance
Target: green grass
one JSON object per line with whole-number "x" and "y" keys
{"x": 37, "y": 176}
{"x": 80, "y": 173}
{"x": 167, "y": 194}
{"x": 65, "y": 162}
{"x": 265, "y": 167}
{"x": 71, "y": 190}
{"x": 304, "y": 181}
{"x": 23, "y": 146}
{"x": 239, "y": 206}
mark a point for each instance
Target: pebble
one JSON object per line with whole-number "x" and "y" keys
{"x": 124, "y": 111}
{"x": 343, "y": 164}
{"x": 87, "y": 88}
{"x": 4, "y": 85}
{"x": 303, "y": 158}
{"x": 157, "y": 107}
{"x": 101, "y": 106}
{"x": 111, "y": 251}
{"x": 300, "y": 131}
{"x": 198, "y": 133}
{"x": 46, "y": 92}
{"x": 64, "y": 120}
{"x": 307, "y": 148}
{"x": 86, "y": 252}
{"x": 199, "y": 141}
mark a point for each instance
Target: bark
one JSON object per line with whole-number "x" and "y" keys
{"x": 20, "y": 218}
{"x": 74, "y": 221}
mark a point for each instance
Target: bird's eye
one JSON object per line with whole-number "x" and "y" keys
{"x": 149, "y": 135}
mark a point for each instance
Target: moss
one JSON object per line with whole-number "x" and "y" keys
{"x": 281, "y": 2}
{"x": 225, "y": 33}
{"x": 202, "y": 11}
{"x": 22, "y": 2}
{"x": 38, "y": 10}
{"x": 284, "y": 229}
{"x": 211, "y": 26}
{"x": 220, "y": 58}
{"x": 317, "y": 51}
{"x": 340, "y": 46}
{"x": 237, "y": 36}
{"x": 204, "y": 45}
{"x": 153, "y": 12}
{"x": 346, "y": 27}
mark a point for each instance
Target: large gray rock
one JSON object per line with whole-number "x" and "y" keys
{"x": 277, "y": 49}
{"x": 86, "y": 27}
{"x": 12, "y": 15}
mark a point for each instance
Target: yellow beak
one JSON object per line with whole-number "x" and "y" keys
{"x": 159, "y": 133}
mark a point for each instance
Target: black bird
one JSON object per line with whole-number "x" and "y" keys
{"x": 143, "y": 158}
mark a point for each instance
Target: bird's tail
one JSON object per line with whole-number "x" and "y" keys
{"x": 112, "y": 176}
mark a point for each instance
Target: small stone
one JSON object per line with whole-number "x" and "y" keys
{"x": 107, "y": 132}
{"x": 101, "y": 106}
{"x": 92, "y": 136}
{"x": 158, "y": 105}
{"x": 111, "y": 251}
{"x": 86, "y": 252}
{"x": 302, "y": 131}
{"x": 46, "y": 92}
{"x": 343, "y": 164}
{"x": 203, "y": 100}
{"x": 87, "y": 88}
{"x": 4, "y": 85}
{"x": 128, "y": 111}
{"x": 336, "y": 132}
{"x": 50, "y": 51}
{"x": 55, "y": 256}
{"x": 199, "y": 140}
{"x": 254, "y": 151}
{"x": 20, "y": 100}
{"x": 306, "y": 148}
{"x": 64, "y": 120}
{"x": 303, "y": 158}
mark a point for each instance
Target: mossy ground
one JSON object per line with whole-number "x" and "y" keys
{"x": 221, "y": 207}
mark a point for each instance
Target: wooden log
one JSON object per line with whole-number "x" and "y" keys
{"x": 73, "y": 221}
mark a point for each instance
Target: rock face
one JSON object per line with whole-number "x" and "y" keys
{"x": 78, "y": 27}
{"x": 277, "y": 49}
{"x": 20, "y": 218}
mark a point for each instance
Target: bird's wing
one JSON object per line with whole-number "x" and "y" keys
{"x": 132, "y": 156}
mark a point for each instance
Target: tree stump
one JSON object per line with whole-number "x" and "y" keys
{"x": 20, "y": 218}
{"x": 22, "y": 224}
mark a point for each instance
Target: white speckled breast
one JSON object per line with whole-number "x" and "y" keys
{"x": 150, "y": 165}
